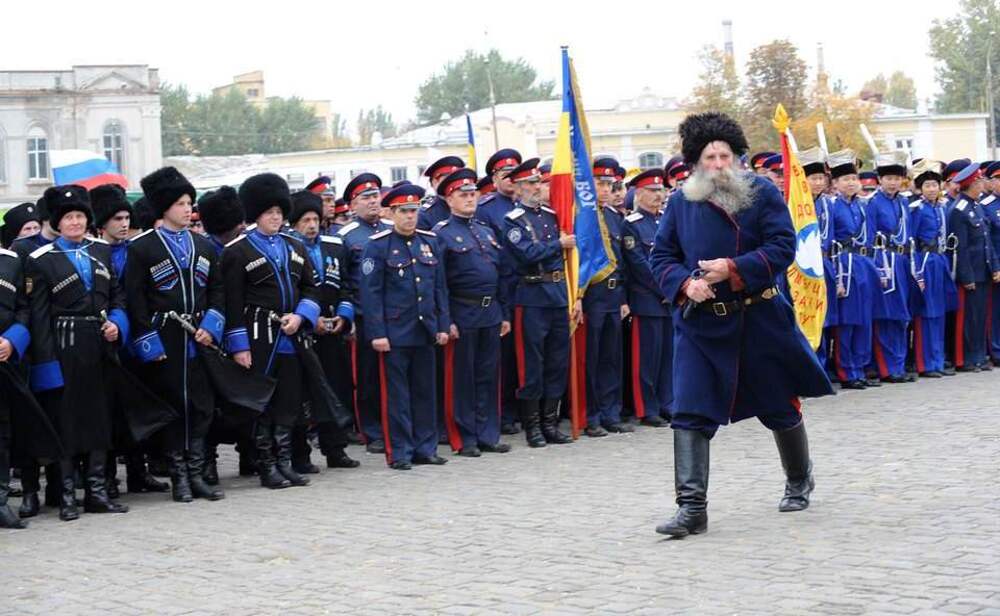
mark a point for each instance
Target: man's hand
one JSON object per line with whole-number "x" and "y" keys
{"x": 841, "y": 290}
{"x": 716, "y": 270}
{"x": 567, "y": 241}
{"x": 504, "y": 328}
{"x": 243, "y": 358}
{"x": 381, "y": 345}
{"x": 996, "y": 276}
{"x": 625, "y": 311}
{"x": 338, "y": 324}
{"x": 922, "y": 285}
{"x": 453, "y": 332}
{"x": 290, "y": 324}
{"x": 110, "y": 331}
{"x": 202, "y": 337}
{"x": 6, "y": 349}
{"x": 577, "y": 316}
{"x": 442, "y": 338}
{"x": 970, "y": 287}
{"x": 698, "y": 290}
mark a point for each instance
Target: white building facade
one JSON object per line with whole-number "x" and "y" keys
{"x": 113, "y": 110}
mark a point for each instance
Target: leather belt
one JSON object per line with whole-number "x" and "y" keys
{"x": 721, "y": 309}
{"x": 931, "y": 248}
{"x": 556, "y": 276}
{"x": 483, "y": 301}
{"x": 858, "y": 250}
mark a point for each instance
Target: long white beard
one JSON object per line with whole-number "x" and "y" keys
{"x": 727, "y": 188}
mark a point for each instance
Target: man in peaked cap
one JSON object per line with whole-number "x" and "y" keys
{"x": 485, "y": 186}
{"x": 739, "y": 353}
{"x": 406, "y": 305}
{"x": 435, "y": 210}
{"x": 604, "y": 307}
{"x": 491, "y": 209}
{"x": 363, "y": 196}
{"x": 976, "y": 266}
{"x": 536, "y": 244}
{"x": 951, "y": 188}
{"x": 869, "y": 182}
{"x": 480, "y": 318}
{"x": 890, "y": 211}
{"x": 651, "y": 344}
{"x": 757, "y": 161}
{"x": 319, "y": 186}
{"x": 991, "y": 208}
{"x": 676, "y": 175}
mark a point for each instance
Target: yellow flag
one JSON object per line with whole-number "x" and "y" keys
{"x": 806, "y": 282}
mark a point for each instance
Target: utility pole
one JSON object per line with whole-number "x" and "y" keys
{"x": 493, "y": 95}
{"x": 991, "y": 121}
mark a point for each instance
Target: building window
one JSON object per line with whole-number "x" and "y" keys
{"x": 398, "y": 174}
{"x": 650, "y": 160}
{"x": 904, "y": 143}
{"x": 38, "y": 155}
{"x": 295, "y": 180}
{"x": 356, "y": 172}
{"x": 3, "y": 158}
{"x": 253, "y": 92}
{"x": 114, "y": 148}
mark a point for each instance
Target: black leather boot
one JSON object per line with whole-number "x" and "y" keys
{"x": 550, "y": 423}
{"x": 793, "y": 447}
{"x": 8, "y": 519}
{"x": 266, "y": 469}
{"x": 180, "y": 482}
{"x": 67, "y": 496}
{"x": 283, "y": 447}
{"x": 690, "y": 485}
{"x": 139, "y": 479}
{"x": 211, "y": 473}
{"x": 111, "y": 471}
{"x": 31, "y": 484}
{"x": 96, "y": 499}
{"x": 338, "y": 458}
{"x": 30, "y": 505}
{"x": 196, "y": 473}
{"x": 530, "y": 420}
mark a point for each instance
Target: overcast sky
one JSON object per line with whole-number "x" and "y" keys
{"x": 361, "y": 54}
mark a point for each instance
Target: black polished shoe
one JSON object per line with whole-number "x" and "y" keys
{"x": 29, "y": 505}
{"x": 100, "y": 503}
{"x": 619, "y": 427}
{"x": 375, "y": 447}
{"x": 470, "y": 452}
{"x": 435, "y": 460}
{"x": 932, "y": 374}
{"x": 498, "y": 448}
{"x": 894, "y": 378}
{"x": 509, "y": 428}
{"x": 986, "y": 366}
{"x": 532, "y": 422}
{"x": 196, "y": 462}
{"x": 967, "y": 368}
{"x": 655, "y": 422}
{"x": 145, "y": 483}
{"x": 873, "y": 383}
{"x": 400, "y": 465}
{"x": 595, "y": 431}
{"x": 854, "y": 384}
{"x": 340, "y": 459}
{"x": 306, "y": 468}
{"x": 211, "y": 474}
{"x": 948, "y": 371}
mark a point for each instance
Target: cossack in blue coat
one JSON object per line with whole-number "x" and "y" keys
{"x": 752, "y": 362}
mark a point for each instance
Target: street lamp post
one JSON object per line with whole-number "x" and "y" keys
{"x": 991, "y": 120}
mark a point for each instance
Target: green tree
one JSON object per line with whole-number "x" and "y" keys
{"x": 960, "y": 45}
{"x": 718, "y": 86}
{"x": 898, "y": 90}
{"x": 223, "y": 125}
{"x": 175, "y": 105}
{"x": 876, "y": 86}
{"x": 286, "y": 125}
{"x": 775, "y": 74}
{"x": 467, "y": 82}
{"x": 374, "y": 120}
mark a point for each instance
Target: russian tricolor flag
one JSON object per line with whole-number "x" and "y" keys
{"x": 84, "y": 168}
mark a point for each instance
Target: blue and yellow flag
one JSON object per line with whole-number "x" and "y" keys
{"x": 806, "y": 282}
{"x": 471, "y": 163}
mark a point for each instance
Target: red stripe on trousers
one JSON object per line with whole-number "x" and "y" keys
{"x": 637, "y": 400}
{"x": 581, "y": 368}
{"x": 918, "y": 342}
{"x": 354, "y": 379}
{"x": 797, "y": 405}
{"x": 883, "y": 370}
{"x": 519, "y": 344}
{"x": 960, "y": 329}
{"x": 454, "y": 438}
{"x": 841, "y": 373}
{"x": 989, "y": 320}
{"x": 384, "y": 404}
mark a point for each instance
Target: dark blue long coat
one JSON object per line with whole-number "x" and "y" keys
{"x": 756, "y": 361}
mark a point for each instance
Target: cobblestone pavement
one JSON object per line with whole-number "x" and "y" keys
{"x": 905, "y": 519}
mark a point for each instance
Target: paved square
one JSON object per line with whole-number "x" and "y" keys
{"x": 905, "y": 519}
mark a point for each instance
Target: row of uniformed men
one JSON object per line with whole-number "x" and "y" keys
{"x": 912, "y": 264}
{"x": 80, "y": 310}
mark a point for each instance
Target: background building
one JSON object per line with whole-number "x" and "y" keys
{"x": 252, "y": 86}
{"x": 110, "y": 109}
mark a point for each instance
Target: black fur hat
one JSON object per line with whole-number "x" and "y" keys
{"x": 263, "y": 191}
{"x": 304, "y": 202}
{"x": 143, "y": 216}
{"x": 107, "y": 200}
{"x": 62, "y": 200}
{"x": 165, "y": 186}
{"x": 221, "y": 210}
{"x": 15, "y": 219}
{"x": 700, "y": 129}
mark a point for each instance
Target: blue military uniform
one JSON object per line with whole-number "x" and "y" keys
{"x": 541, "y": 318}
{"x": 435, "y": 209}
{"x": 890, "y": 220}
{"x": 652, "y": 324}
{"x": 478, "y": 306}
{"x": 975, "y": 264}
{"x": 931, "y": 266}
{"x": 991, "y": 207}
{"x": 405, "y": 299}
{"x": 355, "y": 236}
